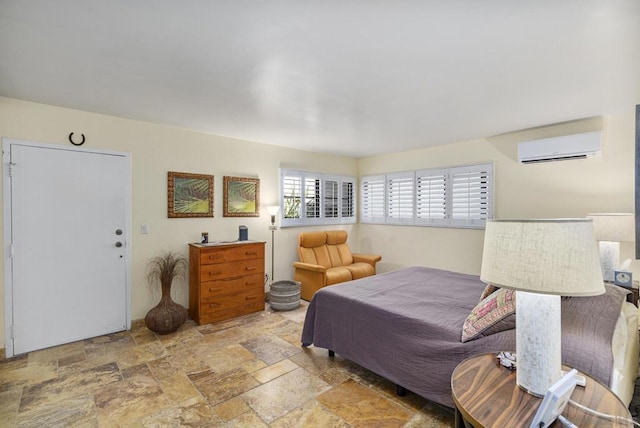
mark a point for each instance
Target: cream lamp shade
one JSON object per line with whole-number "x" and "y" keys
{"x": 542, "y": 260}
{"x": 614, "y": 227}
{"x": 273, "y": 209}
{"x": 545, "y": 256}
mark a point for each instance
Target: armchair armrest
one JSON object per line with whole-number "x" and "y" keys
{"x": 372, "y": 259}
{"x": 309, "y": 266}
{"x": 311, "y": 277}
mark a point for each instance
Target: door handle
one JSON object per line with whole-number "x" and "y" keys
{"x": 118, "y": 244}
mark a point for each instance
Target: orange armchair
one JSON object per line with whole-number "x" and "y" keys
{"x": 325, "y": 259}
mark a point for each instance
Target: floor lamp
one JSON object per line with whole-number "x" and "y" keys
{"x": 273, "y": 211}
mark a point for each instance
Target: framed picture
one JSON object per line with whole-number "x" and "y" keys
{"x": 241, "y": 197}
{"x": 189, "y": 195}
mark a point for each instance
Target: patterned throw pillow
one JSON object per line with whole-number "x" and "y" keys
{"x": 489, "y": 289}
{"x": 493, "y": 314}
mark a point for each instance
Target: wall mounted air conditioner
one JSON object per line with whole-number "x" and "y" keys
{"x": 576, "y": 146}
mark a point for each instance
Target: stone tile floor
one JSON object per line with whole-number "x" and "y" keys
{"x": 246, "y": 372}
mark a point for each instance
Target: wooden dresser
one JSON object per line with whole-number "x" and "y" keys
{"x": 225, "y": 280}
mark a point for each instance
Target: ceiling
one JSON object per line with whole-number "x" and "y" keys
{"x": 350, "y": 77}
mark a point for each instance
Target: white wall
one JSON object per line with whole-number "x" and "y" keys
{"x": 560, "y": 189}
{"x": 157, "y": 149}
{"x": 546, "y": 190}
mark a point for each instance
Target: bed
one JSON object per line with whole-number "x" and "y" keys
{"x": 406, "y": 326}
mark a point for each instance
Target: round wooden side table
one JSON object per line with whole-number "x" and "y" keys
{"x": 486, "y": 395}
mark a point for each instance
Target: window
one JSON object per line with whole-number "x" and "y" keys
{"x": 331, "y": 198}
{"x": 310, "y": 198}
{"x": 400, "y": 203}
{"x": 431, "y": 197}
{"x": 448, "y": 197}
{"x": 292, "y": 197}
{"x": 347, "y": 206}
{"x": 372, "y": 191}
{"x": 470, "y": 195}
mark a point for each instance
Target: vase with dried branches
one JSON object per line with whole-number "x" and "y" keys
{"x": 168, "y": 315}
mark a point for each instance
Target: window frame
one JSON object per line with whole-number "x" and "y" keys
{"x": 481, "y": 199}
{"x": 400, "y": 198}
{"x": 372, "y": 188}
{"x": 473, "y": 222}
{"x": 322, "y": 181}
{"x": 432, "y": 220}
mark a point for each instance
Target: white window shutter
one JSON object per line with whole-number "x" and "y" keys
{"x": 400, "y": 197}
{"x": 347, "y": 200}
{"x": 291, "y": 196}
{"x": 311, "y": 197}
{"x": 431, "y": 197}
{"x": 330, "y": 199}
{"x": 372, "y": 193}
{"x": 471, "y": 195}
{"x": 444, "y": 197}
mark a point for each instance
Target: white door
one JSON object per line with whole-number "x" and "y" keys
{"x": 68, "y": 261}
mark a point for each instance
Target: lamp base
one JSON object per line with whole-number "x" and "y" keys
{"x": 609, "y": 258}
{"x": 538, "y": 342}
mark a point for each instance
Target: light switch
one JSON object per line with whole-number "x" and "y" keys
{"x": 144, "y": 229}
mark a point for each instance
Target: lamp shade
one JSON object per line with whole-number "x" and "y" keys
{"x": 273, "y": 209}
{"x": 614, "y": 227}
{"x": 545, "y": 256}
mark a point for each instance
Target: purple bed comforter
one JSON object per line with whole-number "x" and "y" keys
{"x": 406, "y": 326}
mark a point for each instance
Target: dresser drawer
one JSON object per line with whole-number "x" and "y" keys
{"x": 226, "y": 314}
{"x": 231, "y": 270}
{"x": 224, "y": 255}
{"x": 230, "y": 301}
{"x": 231, "y": 285}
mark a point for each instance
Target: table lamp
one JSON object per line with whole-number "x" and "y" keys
{"x": 610, "y": 230}
{"x": 542, "y": 260}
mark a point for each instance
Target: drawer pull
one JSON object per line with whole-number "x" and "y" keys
{"x": 250, "y": 253}
{"x": 215, "y": 273}
{"x": 250, "y": 283}
{"x": 250, "y": 298}
{"x": 250, "y": 268}
{"x": 216, "y": 257}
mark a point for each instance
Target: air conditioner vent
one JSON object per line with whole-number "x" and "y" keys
{"x": 567, "y": 147}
